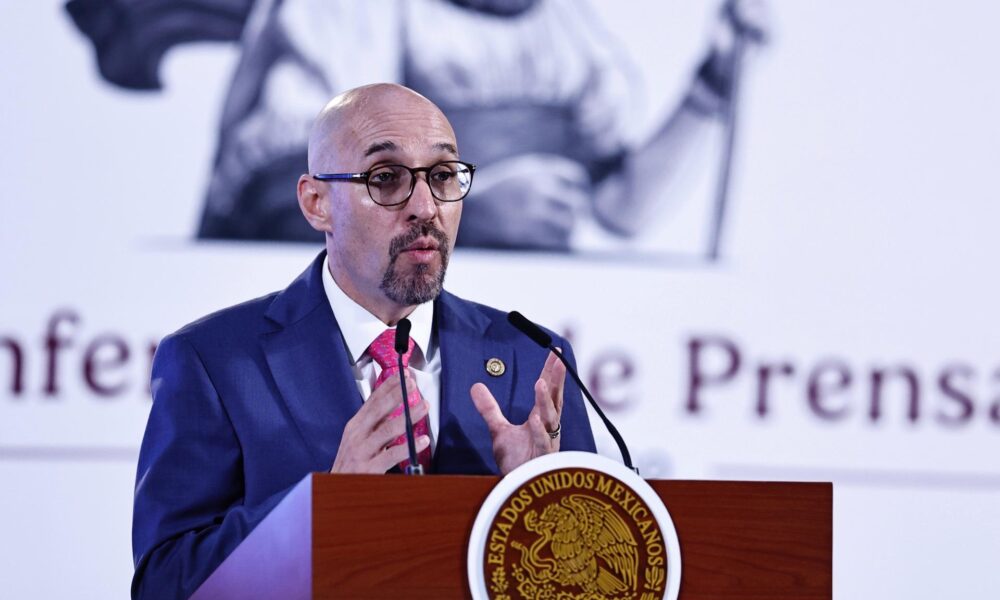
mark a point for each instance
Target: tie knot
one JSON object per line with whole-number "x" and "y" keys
{"x": 383, "y": 350}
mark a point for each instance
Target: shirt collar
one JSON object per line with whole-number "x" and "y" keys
{"x": 360, "y": 328}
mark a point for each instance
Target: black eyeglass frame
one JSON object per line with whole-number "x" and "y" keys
{"x": 365, "y": 176}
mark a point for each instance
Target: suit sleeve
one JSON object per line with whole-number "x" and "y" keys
{"x": 576, "y": 432}
{"x": 189, "y": 511}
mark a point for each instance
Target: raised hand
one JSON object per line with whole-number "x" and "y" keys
{"x": 514, "y": 445}
{"x": 364, "y": 447}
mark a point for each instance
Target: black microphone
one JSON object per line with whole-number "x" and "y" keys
{"x": 545, "y": 341}
{"x": 529, "y": 329}
{"x": 402, "y": 345}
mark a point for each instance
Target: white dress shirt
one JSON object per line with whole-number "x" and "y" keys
{"x": 360, "y": 328}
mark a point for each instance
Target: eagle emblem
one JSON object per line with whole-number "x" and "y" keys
{"x": 584, "y": 544}
{"x": 573, "y": 534}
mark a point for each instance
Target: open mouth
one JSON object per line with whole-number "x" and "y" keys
{"x": 421, "y": 245}
{"x": 426, "y": 245}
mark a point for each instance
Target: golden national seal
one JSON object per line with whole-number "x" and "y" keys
{"x": 575, "y": 534}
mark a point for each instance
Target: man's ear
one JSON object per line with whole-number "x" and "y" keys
{"x": 314, "y": 206}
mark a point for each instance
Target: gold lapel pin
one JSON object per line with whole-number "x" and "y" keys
{"x": 495, "y": 367}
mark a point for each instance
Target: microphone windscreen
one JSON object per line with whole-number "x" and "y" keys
{"x": 402, "y": 336}
{"x": 529, "y": 329}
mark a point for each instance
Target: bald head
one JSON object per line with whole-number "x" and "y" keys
{"x": 345, "y": 117}
{"x": 387, "y": 258}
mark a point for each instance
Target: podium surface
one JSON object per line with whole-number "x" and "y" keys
{"x": 377, "y": 536}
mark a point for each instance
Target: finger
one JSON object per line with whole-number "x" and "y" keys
{"x": 554, "y": 374}
{"x": 356, "y": 447}
{"x": 357, "y": 450}
{"x": 369, "y": 431}
{"x": 389, "y": 431}
{"x": 487, "y": 406}
{"x": 381, "y": 401}
{"x": 540, "y": 438}
{"x": 388, "y": 398}
{"x": 544, "y": 406}
{"x": 413, "y": 397}
{"x": 393, "y": 455}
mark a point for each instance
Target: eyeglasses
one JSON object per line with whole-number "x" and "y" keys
{"x": 391, "y": 185}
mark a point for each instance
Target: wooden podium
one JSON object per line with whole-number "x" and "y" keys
{"x": 376, "y": 536}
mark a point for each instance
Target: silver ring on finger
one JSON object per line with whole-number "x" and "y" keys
{"x": 555, "y": 434}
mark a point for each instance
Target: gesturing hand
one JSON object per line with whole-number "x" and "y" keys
{"x": 364, "y": 447}
{"x": 514, "y": 445}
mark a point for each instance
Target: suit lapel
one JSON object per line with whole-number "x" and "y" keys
{"x": 312, "y": 372}
{"x": 309, "y": 363}
{"x": 464, "y": 444}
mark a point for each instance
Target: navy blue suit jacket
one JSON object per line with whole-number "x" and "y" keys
{"x": 249, "y": 400}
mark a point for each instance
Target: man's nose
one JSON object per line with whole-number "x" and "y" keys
{"x": 422, "y": 204}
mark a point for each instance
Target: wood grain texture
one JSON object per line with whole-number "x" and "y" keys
{"x": 410, "y": 533}
{"x": 752, "y": 540}
{"x": 382, "y": 537}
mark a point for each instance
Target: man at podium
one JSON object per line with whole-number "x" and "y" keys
{"x": 249, "y": 400}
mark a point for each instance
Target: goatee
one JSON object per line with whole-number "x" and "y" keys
{"x": 423, "y": 283}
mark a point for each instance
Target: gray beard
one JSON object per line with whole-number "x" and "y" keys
{"x": 422, "y": 284}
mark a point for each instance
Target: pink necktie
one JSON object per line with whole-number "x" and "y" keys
{"x": 383, "y": 351}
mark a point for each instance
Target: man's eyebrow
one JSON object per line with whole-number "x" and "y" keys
{"x": 388, "y": 146}
{"x": 446, "y": 147}
{"x": 380, "y": 147}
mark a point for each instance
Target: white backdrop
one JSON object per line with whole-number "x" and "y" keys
{"x": 859, "y": 262}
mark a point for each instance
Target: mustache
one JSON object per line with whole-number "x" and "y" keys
{"x": 400, "y": 242}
